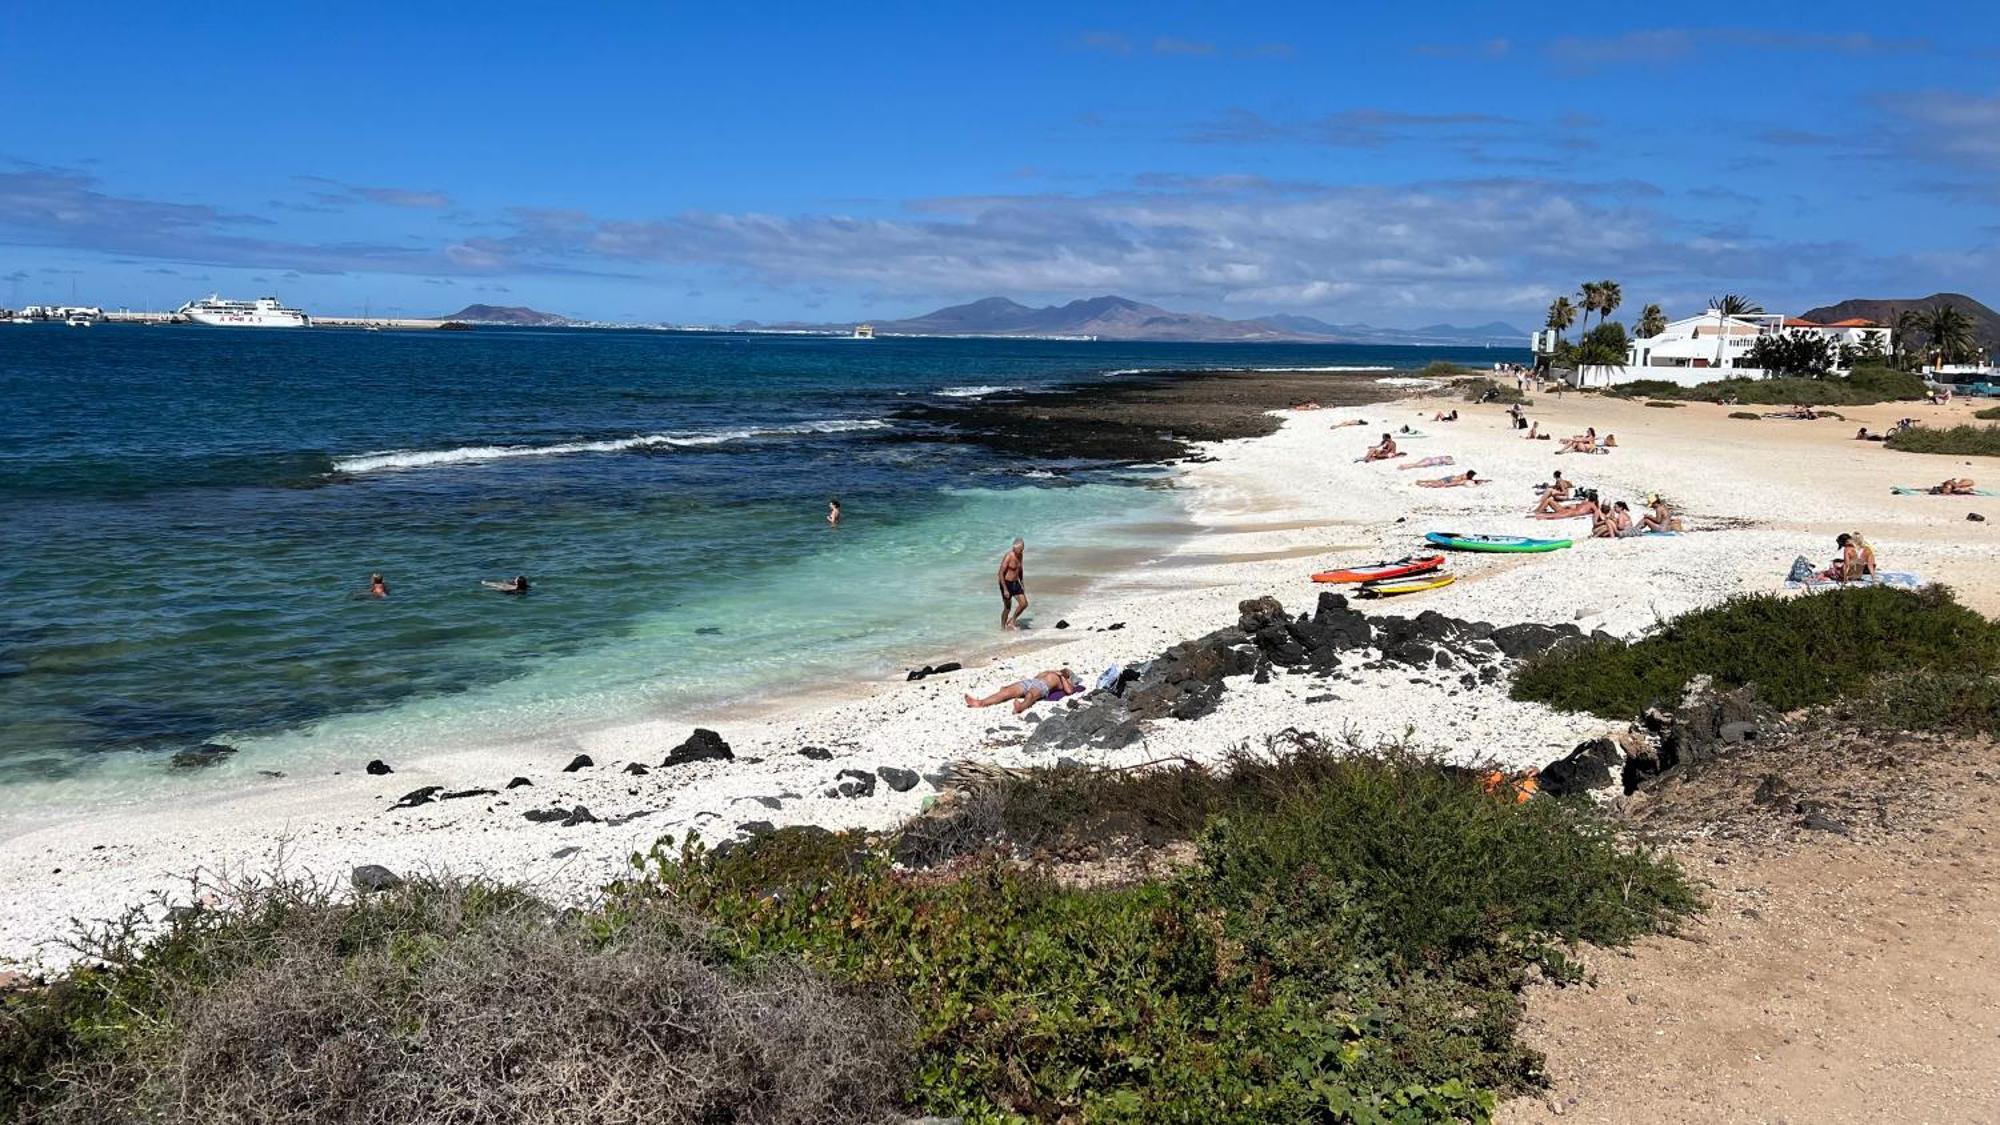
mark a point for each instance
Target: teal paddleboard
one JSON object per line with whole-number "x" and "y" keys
{"x": 1513, "y": 544}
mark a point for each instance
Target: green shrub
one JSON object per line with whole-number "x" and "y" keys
{"x": 1990, "y": 414}
{"x": 1350, "y": 944}
{"x": 1443, "y": 369}
{"x": 1799, "y": 651}
{"x": 1747, "y": 415}
{"x": 1949, "y": 701}
{"x": 1862, "y": 387}
{"x": 1967, "y": 440}
{"x": 1668, "y": 405}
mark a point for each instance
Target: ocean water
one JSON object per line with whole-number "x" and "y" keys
{"x": 190, "y": 517}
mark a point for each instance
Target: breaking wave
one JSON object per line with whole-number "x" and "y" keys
{"x": 476, "y": 454}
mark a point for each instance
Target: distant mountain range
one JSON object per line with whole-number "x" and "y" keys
{"x": 1985, "y": 322}
{"x": 519, "y": 315}
{"x": 1121, "y": 318}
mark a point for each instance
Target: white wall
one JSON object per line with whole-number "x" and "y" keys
{"x": 1607, "y": 376}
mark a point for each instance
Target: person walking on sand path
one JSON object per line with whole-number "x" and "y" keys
{"x": 1051, "y": 685}
{"x": 1013, "y": 585}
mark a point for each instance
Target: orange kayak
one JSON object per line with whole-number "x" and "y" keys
{"x": 1403, "y": 567}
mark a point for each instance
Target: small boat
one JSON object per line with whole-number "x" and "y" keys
{"x": 1505, "y": 544}
{"x": 78, "y": 322}
{"x": 1390, "y": 588}
{"x": 864, "y": 332}
{"x": 1375, "y": 572}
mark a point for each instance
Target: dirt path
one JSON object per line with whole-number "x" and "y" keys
{"x": 1832, "y": 979}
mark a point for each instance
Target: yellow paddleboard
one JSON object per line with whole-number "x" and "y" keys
{"x": 1407, "y": 585}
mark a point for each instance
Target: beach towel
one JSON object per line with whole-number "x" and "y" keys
{"x": 1905, "y": 490}
{"x": 1894, "y": 579}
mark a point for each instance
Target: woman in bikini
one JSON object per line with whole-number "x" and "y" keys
{"x": 1956, "y": 486}
{"x": 1025, "y": 694}
{"x": 1458, "y": 480}
{"x": 1612, "y": 524}
{"x": 1383, "y": 451}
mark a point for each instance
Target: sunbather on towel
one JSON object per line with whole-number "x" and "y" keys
{"x": 1659, "y": 516}
{"x": 1383, "y": 451}
{"x": 1025, "y": 694}
{"x": 1426, "y": 463}
{"x": 1585, "y": 507}
{"x": 1956, "y": 486}
{"x": 1459, "y": 480}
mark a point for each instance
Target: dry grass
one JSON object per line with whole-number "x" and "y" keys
{"x": 463, "y": 1004}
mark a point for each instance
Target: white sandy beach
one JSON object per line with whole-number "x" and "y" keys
{"x": 1269, "y": 511}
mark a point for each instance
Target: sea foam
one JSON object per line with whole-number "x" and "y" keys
{"x": 475, "y": 454}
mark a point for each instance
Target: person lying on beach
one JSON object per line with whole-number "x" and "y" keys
{"x": 1383, "y": 451}
{"x": 1956, "y": 486}
{"x": 1458, "y": 481}
{"x": 378, "y": 588}
{"x": 1612, "y": 524}
{"x": 1584, "y": 507}
{"x": 1659, "y": 516}
{"x": 1800, "y": 413}
{"x": 515, "y": 585}
{"x": 1554, "y": 495}
{"x": 1349, "y": 422}
{"x": 1014, "y": 585}
{"x": 1441, "y": 416}
{"x": 1578, "y": 445}
{"x": 1044, "y": 685}
{"x": 1307, "y": 404}
{"x": 1535, "y": 431}
{"x": 1426, "y": 463}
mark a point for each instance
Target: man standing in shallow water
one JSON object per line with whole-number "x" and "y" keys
{"x": 1013, "y": 585}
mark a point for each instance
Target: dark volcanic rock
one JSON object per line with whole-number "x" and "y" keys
{"x": 1530, "y": 639}
{"x": 201, "y": 757}
{"x": 518, "y": 782}
{"x": 900, "y": 780}
{"x": 636, "y": 769}
{"x": 459, "y": 793}
{"x": 702, "y": 746}
{"x": 756, "y": 828}
{"x": 378, "y": 767}
{"x": 374, "y": 877}
{"x": 853, "y": 783}
{"x": 417, "y": 797}
{"x": 1597, "y": 764}
{"x": 568, "y": 818}
{"x": 580, "y": 762}
{"x": 816, "y": 753}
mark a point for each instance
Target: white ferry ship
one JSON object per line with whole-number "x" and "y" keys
{"x": 264, "y": 312}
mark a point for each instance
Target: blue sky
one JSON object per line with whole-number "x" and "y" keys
{"x": 705, "y": 163}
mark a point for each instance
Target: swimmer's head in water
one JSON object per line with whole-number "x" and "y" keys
{"x": 520, "y": 581}
{"x": 375, "y": 578}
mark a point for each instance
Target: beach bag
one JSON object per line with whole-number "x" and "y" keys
{"x": 1802, "y": 570}
{"x": 1109, "y": 680}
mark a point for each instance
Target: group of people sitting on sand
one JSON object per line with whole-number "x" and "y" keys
{"x": 1856, "y": 561}
{"x": 1562, "y": 500}
{"x": 1800, "y": 412}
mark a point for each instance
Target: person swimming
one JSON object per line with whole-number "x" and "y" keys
{"x": 833, "y": 512}
{"x": 1051, "y": 685}
{"x": 377, "y": 586}
{"x": 516, "y": 585}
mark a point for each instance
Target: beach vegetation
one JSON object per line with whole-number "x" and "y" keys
{"x": 1991, "y": 414}
{"x": 1443, "y": 369}
{"x": 1652, "y": 320}
{"x": 1799, "y": 354}
{"x": 1959, "y": 702}
{"x": 1962, "y": 441}
{"x": 1949, "y": 333}
{"x": 1861, "y": 387}
{"x": 1735, "y": 304}
{"x": 1602, "y": 345}
{"x": 1747, "y": 415}
{"x": 1798, "y": 651}
{"x": 1345, "y": 938}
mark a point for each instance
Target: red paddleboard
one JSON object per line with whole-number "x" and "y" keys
{"x": 1418, "y": 564}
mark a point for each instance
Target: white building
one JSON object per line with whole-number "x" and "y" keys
{"x": 1715, "y": 345}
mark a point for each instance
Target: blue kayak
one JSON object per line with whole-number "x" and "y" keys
{"x": 1513, "y": 544}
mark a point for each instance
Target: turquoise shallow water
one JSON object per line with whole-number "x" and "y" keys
{"x": 192, "y": 513}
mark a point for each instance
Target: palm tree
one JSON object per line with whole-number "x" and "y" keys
{"x": 1909, "y": 326}
{"x": 1652, "y": 320}
{"x": 1561, "y": 315}
{"x": 1609, "y": 296}
{"x": 1731, "y": 304}
{"x": 1950, "y": 333}
{"x": 1592, "y": 301}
